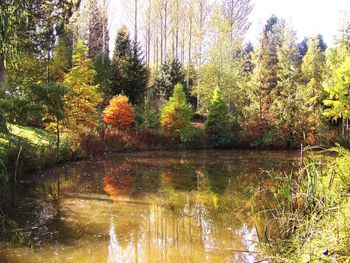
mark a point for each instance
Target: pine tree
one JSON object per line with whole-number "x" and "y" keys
{"x": 313, "y": 68}
{"x": 61, "y": 60}
{"x": 176, "y": 116}
{"x": 217, "y": 125}
{"x": 170, "y": 74}
{"x": 104, "y": 74}
{"x": 83, "y": 97}
{"x": 130, "y": 74}
{"x": 138, "y": 76}
{"x": 286, "y": 105}
{"x": 265, "y": 72}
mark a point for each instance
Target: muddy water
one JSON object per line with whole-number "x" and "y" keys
{"x": 151, "y": 207}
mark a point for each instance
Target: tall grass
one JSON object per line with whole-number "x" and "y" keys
{"x": 309, "y": 212}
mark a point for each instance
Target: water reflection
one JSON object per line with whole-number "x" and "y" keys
{"x": 168, "y": 207}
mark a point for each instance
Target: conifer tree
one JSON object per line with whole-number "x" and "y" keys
{"x": 170, "y": 74}
{"x": 265, "y": 72}
{"x": 286, "y": 104}
{"x": 104, "y": 74}
{"x": 217, "y": 125}
{"x": 130, "y": 73}
{"x": 61, "y": 59}
{"x": 176, "y": 115}
{"x": 313, "y": 68}
{"x": 83, "y": 97}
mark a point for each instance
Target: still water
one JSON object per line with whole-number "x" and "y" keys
{"x": 150, "y": 207}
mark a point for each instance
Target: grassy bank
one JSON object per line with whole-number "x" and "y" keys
{"x": 310, "y": 221}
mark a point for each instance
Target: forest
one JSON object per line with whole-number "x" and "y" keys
{"x": 182, "y": 77}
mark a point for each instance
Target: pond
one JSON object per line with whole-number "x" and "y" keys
{"x": 148, "y": 207}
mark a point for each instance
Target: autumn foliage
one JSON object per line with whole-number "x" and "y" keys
{"x": 119, "y": 113}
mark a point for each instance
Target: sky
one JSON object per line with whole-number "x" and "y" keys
{"x": 308, "y": 17}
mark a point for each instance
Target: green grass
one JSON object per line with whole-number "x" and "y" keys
{"x": 34, "y": 136}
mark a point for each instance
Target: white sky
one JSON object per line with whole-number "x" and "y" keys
{"x": 308, "y": 17}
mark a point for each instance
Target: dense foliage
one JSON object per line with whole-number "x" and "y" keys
{"x": 218, "y": 123}
{"x": 83, "y": 97}
{"x": 176, "y": 115}
{"x": 119, "y": 113}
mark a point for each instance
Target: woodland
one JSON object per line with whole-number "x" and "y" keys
{"x": 182, "y": 77}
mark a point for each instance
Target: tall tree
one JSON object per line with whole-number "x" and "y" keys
{"x": 176, "y": 115}
{"x": 265, "y": 72}
{"x": 286, "y": 105}
{"x": 217, "y": 125}
{"x": 130, "y": 73}
{"x": 170, "y": 74}
{"x": 12, "y": 14}
{"x": 98, "y": 37}
{"x": 83, "y": 97}
{"x": 313, "y": 68}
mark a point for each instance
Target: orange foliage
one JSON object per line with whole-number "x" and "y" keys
{"x": 119, "y": 113}
{"x": 118, "y": 185}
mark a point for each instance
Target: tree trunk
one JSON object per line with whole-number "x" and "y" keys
{"x": 58, "y": 133}
{"x": 3, "y": 127}
{"x": 2, "y": 69}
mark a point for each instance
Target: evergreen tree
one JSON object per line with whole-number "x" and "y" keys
{"x": 265, "y": 72}
{"x": 61, "y": 59}
{"x": 130, "y": 74}
{"x": 217, "y": 125}
{"x": 83, "y": 97}
{"x": 176, "y": 116}
{"x": 104, "y": 74}
{"x": 170, "y": 74}
{"x": 313, "y": 68}
{"x": 302, "y": 46}
{"x": 138, "y": 76}
{"x": 286, "y": 105}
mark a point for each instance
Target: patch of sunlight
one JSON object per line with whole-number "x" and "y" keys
{"x": 33, "y": 135}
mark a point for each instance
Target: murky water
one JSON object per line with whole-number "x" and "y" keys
{"x": 151, "y": 207}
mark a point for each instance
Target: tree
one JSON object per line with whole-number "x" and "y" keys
{"x": 313, "y": 68}
{"x": 138, "y": 75}
{"x": 170, "y": 74}
{"x": 12, "y": 14}
{"x": 130, "y": 74}
{"x": 51, "y": 97}
{"x": 217, "y": 125}
{"x": 119, "y": 113}
{"x": 265, "y": 72}
{"x": 61, "y": 60}
{"x": 83, "y": 97}
{"x": 104, "y": 74}
{"x": 339, "y": 94}
{"x": 286, "y": 106}
{"x": 98, "y": 37}
{"x": 176, "y": 115}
